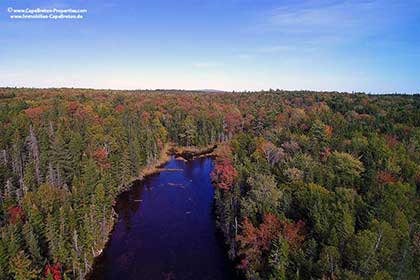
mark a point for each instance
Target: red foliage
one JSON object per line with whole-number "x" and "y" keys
{"x": 249, "y": 244}
{"x": 293, "y": 233}
{"x": 36, "y": 112}
{"x": 384, "y": 177}
{"x": 224, "y": 174}
{"x": 100, "y": 154}
{"x": 233, "y": 119}
{"x": 119, "y": 108}
{"x": 15, "y": 214}
{"x": 101, "y": 157}
{"x": 72, "y": 107}
{"x": 268, "y": 230}
{"x": 256, "y": 241}
{"x": 54, "y": 271}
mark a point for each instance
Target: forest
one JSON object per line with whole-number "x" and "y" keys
{"x": 308, "y": 185}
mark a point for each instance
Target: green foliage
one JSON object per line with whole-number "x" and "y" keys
{"x": 346, "y": 169}
{"x": 278, "y": 259}
{"x": 338, "y": 173}
{"x": 263, "y": 197}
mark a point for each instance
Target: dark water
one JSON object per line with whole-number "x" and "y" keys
{"x": 166, "y": 229}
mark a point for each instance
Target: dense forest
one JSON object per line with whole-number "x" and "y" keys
{"x": 309, "y": 185}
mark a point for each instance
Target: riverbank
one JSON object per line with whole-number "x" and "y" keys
{"x": 155, "y": 167}
{"x": 180, "y": 153}
{"x": 166, "y": 227}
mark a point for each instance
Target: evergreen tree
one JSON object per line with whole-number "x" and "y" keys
{"x": 22, "y": 268}
{"x": 32, "y": 243}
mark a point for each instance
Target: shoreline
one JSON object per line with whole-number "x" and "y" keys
{"x": 170, "y": 149}
{"x": 155, "y": 167}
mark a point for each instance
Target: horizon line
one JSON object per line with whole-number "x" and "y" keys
{"x": 214, "y": 90}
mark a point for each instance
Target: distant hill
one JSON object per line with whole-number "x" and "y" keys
{"x": 211, "y": 90}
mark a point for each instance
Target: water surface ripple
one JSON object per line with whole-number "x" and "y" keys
{"x": 166, "y": 229}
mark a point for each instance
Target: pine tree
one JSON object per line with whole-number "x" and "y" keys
{"x": 90, "y": 177}
{"x": 52, "y": 237}
{"x": 4, "y": 259}
{"x": 61, "y": 163}
{"x": 29, "y": 178}
{"x": 76, "y": 148}
{"x": 32, "y": 243}
{"x": 63, "y": 236}
{"x": 319, "y": 136}
{"x": 14, "y": 240}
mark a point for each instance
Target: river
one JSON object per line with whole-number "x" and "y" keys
{"x": 166, "y": 229}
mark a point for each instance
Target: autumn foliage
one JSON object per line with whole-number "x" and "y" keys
{"x": 53, "y": 271}
{"x": 72, "y": 107}
{"x": 294, "y": 233}
{"x": 329, "y": 131}
{"x": 101, "y": 157}
{"x": 254, "y": 242}
{"x": 36, "y": 112}
{"x": 119, "y": 108}
{"x": 384, "y": 177}
{"x": 339, "y": 174}
{"x": 16, "y": 214}
{"x": 224, "y": 174}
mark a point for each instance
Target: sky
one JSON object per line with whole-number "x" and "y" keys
{"x": 362, "y": 45}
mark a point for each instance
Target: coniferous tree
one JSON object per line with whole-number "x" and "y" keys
{"x": 22, "y": 268}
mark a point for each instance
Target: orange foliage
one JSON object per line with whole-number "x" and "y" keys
{"x": 145, "y": 116}
{"x": 35, "y": 112}
{"x": 281, "y": 118}
{"x": 101, "y": 157}
{"x": 329, "y": 131}
{"x": 384, "y": 177}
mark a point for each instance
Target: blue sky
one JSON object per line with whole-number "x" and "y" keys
{"x": 361, "y": 45}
